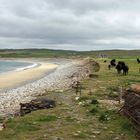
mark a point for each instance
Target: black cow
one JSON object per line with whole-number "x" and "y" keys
{"x": 138, "y": 60}
{"x": 113, "y": 62}
{"x": 122, "y": 63}
{"x": 125, "y": 69}
{"x": 121, "y": 67}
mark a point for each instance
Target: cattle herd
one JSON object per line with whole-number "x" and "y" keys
{"x": 120, "y": 66}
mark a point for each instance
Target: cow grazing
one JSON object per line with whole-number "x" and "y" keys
{"x": 113, "y": 62}
{"x": 125, "y": 69}
{"x": 122, "y": 67}
{"x": 138, "y": 60}
{"x": 122, "y": 63}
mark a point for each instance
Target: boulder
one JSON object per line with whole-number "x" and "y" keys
{"x": 135, "y": 88}
{"x": 41, "y": 103}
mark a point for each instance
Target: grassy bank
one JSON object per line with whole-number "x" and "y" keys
{"x": 93, "y": 116}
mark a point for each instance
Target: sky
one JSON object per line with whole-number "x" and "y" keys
{"x": 70, "y": 24}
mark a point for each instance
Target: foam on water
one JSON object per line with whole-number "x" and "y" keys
{"x": 8, "y": 65}
{"x": 27, "y": 67}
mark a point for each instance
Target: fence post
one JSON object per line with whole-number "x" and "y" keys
{"x": 120, "y": 94}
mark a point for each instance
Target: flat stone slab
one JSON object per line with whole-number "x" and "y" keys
{"x": 41, "y": 103}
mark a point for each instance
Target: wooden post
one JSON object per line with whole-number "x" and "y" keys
{"x": 120, "y": 95}
{"x": 80, "y": 90}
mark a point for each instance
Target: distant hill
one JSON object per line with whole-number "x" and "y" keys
{"x": 23, "y": 53}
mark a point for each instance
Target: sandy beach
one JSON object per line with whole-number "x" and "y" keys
{"x": 15, "y": 78}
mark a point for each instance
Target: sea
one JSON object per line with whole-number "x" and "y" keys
{"x": 6, "y": 66}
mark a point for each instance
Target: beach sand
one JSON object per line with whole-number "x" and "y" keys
{"x": 14, "y": 78}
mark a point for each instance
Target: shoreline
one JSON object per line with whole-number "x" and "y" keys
{"x": 25, "y": 75}
{"x": 28, "y": 67}
{"x": 32, "y": 65}
{"x": 67, "y": 72}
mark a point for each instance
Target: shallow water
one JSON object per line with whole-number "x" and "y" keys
{"x": 6, "y": 66}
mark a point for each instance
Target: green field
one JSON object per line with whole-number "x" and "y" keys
{"x": 78, "y": 119}
{"x": 68, "y": 54}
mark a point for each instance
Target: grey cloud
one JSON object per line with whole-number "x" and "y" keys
{"x": 70, "y": 24}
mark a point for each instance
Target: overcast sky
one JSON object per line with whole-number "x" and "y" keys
{"x": 70, "y": 24}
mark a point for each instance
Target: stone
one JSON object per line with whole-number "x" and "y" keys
{"x": 104, "y": 128}
{"x": 77, "y": 98}
{"x": 93, "y": 136}
{"x": 45, "y": 136}
{"x": 79, "y": 132}
{"x": 111, "y": 132}
{"x": 1, "y": 126}
{"x": 75, "y": 134}
{"x": 80, "y": 103}
{"x": 116, "y": 138}
{"x": 42, "y": 103}
{"x": 96, "y": 132}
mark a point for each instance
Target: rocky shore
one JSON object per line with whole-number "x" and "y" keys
{"x": 61, "y": 79}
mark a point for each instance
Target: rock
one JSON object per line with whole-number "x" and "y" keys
{"x": 78, "y": 122}
{"x": 104, "y": 128}
{"x": 117, "y": 138}
{"x": 96, "y": 132}
{"x": 75, "y": 134}
{"x": 1, "y": 126}
{"x": 80, "y": 103}
{"x": 42, "y": 103}
{"x": 59, "y": 103}
{"x": 93, "y": 136}
{"x": 111, "y": 132}
{"x": 34, "y": 122}
{"x": 77, "y": 98}
{"x": 79, "y": 132}
{"x": 45, "y": 136}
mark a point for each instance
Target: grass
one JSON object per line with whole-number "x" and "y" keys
{"x": 94, "y": 101}
{"x": 23, "y": 53}
{"x": 94, "y": 110}
{"x": 103, "y": 116}
{"x": 69, "y": 118}
{"x": 48, "y": 118}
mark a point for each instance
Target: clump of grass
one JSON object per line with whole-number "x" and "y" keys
{"x": 94, "y": 110}
{"x": 94, "y": 101}
{"x": 126, "y": 124}
{"x": 103, "y": 116}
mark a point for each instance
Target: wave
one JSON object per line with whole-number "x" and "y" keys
{"x": 27, "y": 67}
